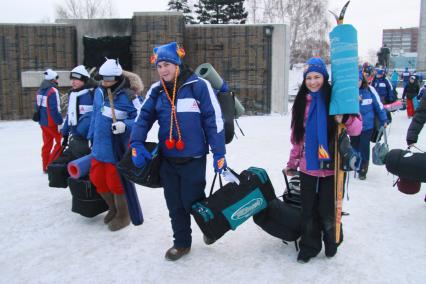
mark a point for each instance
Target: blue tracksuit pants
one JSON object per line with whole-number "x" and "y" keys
{"x": 184, "y": 184}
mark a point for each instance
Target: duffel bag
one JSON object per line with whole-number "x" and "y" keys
{"x": 57, "y": 174}
{"x": 149, "y": 174}
{"x": 233, "y": 204}
{"x": 406, "y": 164}
{"x": 281, "y": 220}
{"x": 85, "y": 200}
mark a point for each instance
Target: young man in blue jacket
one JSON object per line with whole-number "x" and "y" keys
{"x": 190, "y": 121}
{"x": 48, "y": 107}
{"x": 106, "y": 135}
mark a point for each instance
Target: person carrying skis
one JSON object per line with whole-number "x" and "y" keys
{"x": 370, "y": 107}
{"x": 79, "y": 114}
{"x": 411, "y": 90}
{"x": 47, "y": 107}
{"x": 106, "y": 133}
{"x": 190, "y": 119}
{"x": 312, "y": 139}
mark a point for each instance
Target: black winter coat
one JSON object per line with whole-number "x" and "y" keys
{"x": 411, "y": 90}
{"x": 417, "y": 122}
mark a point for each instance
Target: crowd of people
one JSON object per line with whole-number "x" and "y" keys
{"x": 102, "y": 115}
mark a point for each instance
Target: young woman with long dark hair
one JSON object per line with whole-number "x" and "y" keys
{"x": 312, "y": 139}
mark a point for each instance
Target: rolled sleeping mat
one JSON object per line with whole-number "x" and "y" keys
{"x": 406, "y": 164}
{"x": 239, "y": 108}
{"x": 80, "y": 167}
{"x": 206, "y": 71}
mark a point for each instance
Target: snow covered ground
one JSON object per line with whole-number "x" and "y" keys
{"x": 42, "y": 241}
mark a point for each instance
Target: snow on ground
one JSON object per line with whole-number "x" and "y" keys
{"x": 42, "y": 241}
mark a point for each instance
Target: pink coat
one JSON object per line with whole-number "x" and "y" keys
{"x": 297, "y": 152}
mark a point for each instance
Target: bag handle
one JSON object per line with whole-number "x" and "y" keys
{"x": 214, "y": 182}
{"x": 382, "y": 131}
{"x": 220, "y": 179}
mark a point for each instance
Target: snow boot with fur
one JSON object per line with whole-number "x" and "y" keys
{"x": 122, "y": 218}
{"x": 109, "y": 200}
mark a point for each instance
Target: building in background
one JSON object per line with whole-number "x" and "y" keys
{"x": 421, "y": 54}
{"x": 401, "y": 40}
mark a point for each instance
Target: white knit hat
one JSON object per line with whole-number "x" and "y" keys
{"x": 111, "y": 67}
{"x": 79, "y": 72}
{"x": 49, "y": 74}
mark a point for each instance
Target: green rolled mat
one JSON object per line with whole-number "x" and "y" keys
{"x": 239, "y": 108}
{"x": 206, "y": 71}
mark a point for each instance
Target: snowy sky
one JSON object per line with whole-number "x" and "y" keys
{"x": 368, "y": 16}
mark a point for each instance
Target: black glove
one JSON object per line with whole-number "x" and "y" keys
{"x": 65, "y": 141}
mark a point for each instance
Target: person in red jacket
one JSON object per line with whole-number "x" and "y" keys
{"x": 47, "y": 107}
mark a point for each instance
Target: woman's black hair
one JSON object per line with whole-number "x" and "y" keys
{"x": 364, "y": 84}
{"x": 298, "y": 112}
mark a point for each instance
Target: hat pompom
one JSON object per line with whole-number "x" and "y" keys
{"x": 153, "y": 58}
{"x": 181, "y": 52}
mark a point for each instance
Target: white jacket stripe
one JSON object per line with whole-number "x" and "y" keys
{"x": 216, "y": 107}
{"x": 374, "y": 92}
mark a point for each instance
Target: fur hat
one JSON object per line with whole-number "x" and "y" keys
{"x": 49, "y": 75}
{"x": 170, "y": 52}
{"x": 316, "y": 64}
{"x": 79, "y": 73}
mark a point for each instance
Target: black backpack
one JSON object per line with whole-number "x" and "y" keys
{"x": 229, "y": 113}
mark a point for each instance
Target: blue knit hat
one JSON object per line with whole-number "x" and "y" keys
{"x": 170, "y": 52}
{"x": 316, "y": 64}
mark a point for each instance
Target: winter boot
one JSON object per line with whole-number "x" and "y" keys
{"x": 363, "y": 171}
{"x": 109, "y": 200}
{"x": 121, "y": 218}
{"x": 207, "y": 240}
{"x": 330, "y": 244}
{"x": 174, "y": 253}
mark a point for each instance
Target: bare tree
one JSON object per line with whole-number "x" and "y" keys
{"x": 308, "y": 24}
{"x": 84, "y": 9}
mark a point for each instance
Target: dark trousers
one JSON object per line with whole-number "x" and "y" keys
{"x": 361, "y": 143}
{"x": 183, "y": 184}
{"x": 317, "y": 213}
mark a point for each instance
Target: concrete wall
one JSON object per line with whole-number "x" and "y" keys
{"x": 151, "y": 29}
{"x": 30, "y": 47}
{"x": 241, "y": 54}
{"x": 97, "y": 28}
{"x": 421, "y": 48}
{"x": 280, "y": 68}
{"x": 253, "y": 59}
